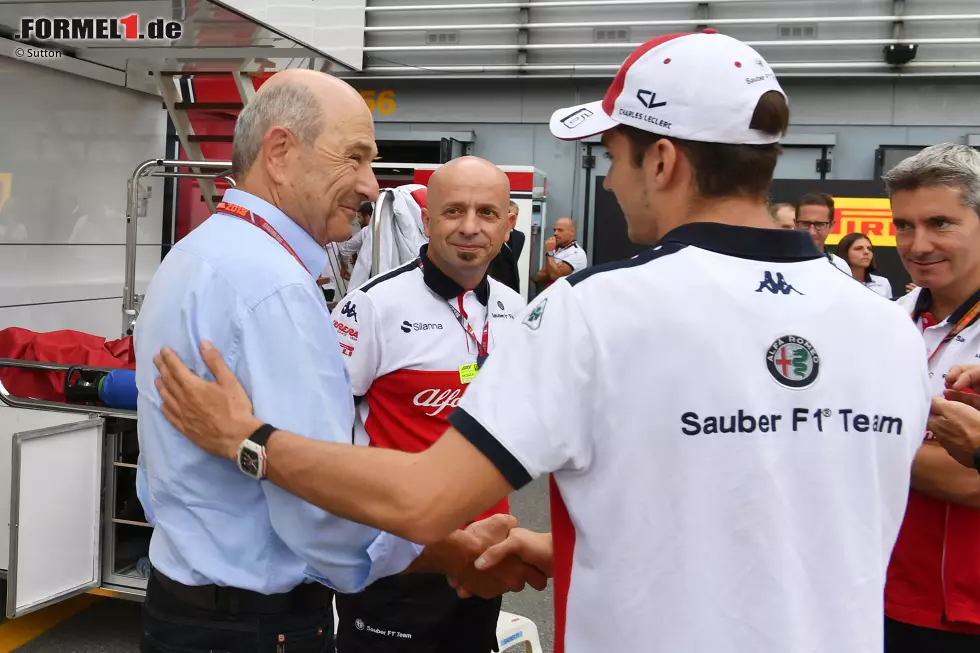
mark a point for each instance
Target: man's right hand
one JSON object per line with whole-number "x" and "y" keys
{"x": 510, "y": 575}
{"x": 534, "y": 551}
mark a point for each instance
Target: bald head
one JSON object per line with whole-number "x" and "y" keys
{"x": 305, "y": 144}
{"x": 470, "y": 170}
{"x": 467, "y": 219}
{"x": 564, "y": 231}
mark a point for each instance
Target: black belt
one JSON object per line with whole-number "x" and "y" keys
{"x": 306, "y": 597}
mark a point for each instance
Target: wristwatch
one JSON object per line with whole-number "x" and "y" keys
{"x": 252, "y": 459}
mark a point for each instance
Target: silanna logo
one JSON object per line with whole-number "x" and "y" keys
{"x": 408, "y": 327}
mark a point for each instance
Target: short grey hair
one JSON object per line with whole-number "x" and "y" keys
{"x": 953, "y": 166}
{"x": 289, "y": 105}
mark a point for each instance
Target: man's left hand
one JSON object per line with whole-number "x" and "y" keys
{"x": 217, "y": 415}
{"x": 956, "y": 426}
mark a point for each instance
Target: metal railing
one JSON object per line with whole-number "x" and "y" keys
{"x": 154, "y": 168}
{"x": 714, "y": 22}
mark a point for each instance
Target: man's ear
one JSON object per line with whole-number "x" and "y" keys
{"x": 276, "y": 146}
{"x": 425, "y": 221}
{"x": 661, "y": 164}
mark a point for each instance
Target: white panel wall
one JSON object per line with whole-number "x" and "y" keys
{"x": 67, "y": 147}
{"x": 334, "y": 27}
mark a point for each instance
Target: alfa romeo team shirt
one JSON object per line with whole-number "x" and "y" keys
{"x": 573, "y": 255}
{"x": 934, "y": 577}
{"x": 409, "y": 355}
{"x": 724, "y": 478}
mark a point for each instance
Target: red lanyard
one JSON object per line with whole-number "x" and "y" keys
{"x": 481, "y": 347}
{"x": 965, "y": 321}
{"x": 261, "y": 223}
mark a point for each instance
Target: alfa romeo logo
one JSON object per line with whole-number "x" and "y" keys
{"x": 358, "y": 624}
{"x": 793, "y": 362}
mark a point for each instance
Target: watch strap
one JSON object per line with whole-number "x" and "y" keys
{"x": 262, "y": 434}
{"x": 976, "y": 459}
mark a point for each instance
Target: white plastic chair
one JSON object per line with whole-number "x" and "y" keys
{"x": 517, "y": 634}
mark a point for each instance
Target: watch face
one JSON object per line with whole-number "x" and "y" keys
{"x": 248, "y": 461}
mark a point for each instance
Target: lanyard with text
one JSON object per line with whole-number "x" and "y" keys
{"x": 462, "y": 318}
{"x": 969, "y": 318}
{"x": 260, "y": 222}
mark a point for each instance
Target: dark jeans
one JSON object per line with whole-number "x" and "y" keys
{"x": 415, "y": 613}
{"x": 173, "y": 626}
{"x": 906, "y": 638}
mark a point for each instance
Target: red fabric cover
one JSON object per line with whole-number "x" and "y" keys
{"x": 421, "y": 197}
{"x": 66, "y": 347}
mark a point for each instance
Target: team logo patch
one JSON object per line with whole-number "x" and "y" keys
{"x": 793, "y": 362}
{"x": 533, "y": 320}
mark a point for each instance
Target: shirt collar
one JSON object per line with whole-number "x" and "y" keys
{"x": 313, "y": 255}
{"x": 445, "y": 287}
{"x": 759, "y": 244}
{"x": 923, "y": 304}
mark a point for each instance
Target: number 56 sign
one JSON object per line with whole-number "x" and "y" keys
{"x": 383, "y": 102}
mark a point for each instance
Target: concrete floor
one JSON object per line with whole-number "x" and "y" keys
{"x": 113, "y": 626}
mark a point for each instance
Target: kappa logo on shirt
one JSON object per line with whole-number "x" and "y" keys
{"x": 349, "y": 310}
{"x": 777, "y": 285}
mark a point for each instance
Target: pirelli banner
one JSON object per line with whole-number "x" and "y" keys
{"x": 860, "y": 206}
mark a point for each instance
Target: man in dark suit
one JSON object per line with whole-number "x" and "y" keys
{"x": 503, "y": 267}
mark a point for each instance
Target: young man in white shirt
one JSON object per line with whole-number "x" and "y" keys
{"x": 722, "y": 479}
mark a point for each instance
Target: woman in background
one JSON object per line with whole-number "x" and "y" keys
{"x": 856, "y": 249}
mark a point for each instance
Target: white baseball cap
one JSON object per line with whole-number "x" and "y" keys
{"x": 697, "y": 86}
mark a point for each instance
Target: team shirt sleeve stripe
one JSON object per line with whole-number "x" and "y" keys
{"x": 489, "y": 446}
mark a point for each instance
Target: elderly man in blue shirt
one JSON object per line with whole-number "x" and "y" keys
{"x": 238, "y": 563}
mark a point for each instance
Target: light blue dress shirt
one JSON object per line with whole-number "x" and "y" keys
{"x": 233, "y": 284}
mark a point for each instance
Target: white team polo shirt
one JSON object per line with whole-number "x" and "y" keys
{"x": 840, "y": 264}
{"x": 880, "y": 285}
{"x": 963, "y": 349}
{"x": 573, "y": 255}
{"x": 726, "y": 474}
{"x": 404, "y": 348}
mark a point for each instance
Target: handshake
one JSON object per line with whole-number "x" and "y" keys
{"x": 493, "y": 556}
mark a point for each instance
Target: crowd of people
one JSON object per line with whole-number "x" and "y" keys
{"x": 746, "y": 450}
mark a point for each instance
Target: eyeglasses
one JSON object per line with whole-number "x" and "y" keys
{"x": 819, "y": 226}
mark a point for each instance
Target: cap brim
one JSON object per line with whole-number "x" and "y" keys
{"x": 582, "y": 121}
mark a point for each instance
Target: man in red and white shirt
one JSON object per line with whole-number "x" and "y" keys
{"x": 932, "y": 599}
{"x": 722, "y": 478}
{"x": 413, "y": 339}
{"x": 563, "y": 255}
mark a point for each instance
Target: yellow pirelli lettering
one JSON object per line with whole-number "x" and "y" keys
{"x": 871, "y": 216}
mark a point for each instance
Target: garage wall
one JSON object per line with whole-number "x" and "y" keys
{"x": 68, "y": 145}
{"x": 509, "y": 119}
